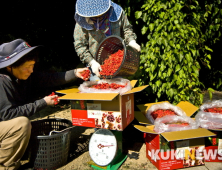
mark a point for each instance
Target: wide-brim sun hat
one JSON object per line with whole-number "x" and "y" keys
{"x": 12, "y": 51}
{"x": 92, "y": 8}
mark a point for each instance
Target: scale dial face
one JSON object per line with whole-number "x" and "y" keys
{"x": 103, "y": 147}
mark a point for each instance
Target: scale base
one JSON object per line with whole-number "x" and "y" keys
{"x": 114, "y": 165}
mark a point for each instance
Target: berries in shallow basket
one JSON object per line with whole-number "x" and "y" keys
{"x": 112, "y": 64}
{"x": 161, "y": 113}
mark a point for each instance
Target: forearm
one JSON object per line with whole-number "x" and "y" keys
{"x": 52, "y": 79}
{"x": 27, "y": 110}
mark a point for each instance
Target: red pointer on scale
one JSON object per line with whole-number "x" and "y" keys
{"x": 100, "y": 146}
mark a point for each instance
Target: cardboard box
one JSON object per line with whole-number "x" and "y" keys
{"x": 102, "y": 110}
{"x": 214, "y": 146}
{"x": 173, "y": 150}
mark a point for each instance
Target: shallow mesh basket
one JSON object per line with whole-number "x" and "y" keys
{"x": 131, "y": 59}
{"x": 50, "y": 140}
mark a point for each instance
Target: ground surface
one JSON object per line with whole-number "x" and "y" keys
{"x": 133, "y": 143}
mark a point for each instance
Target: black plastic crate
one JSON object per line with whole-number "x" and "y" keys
{"x": 50, "y": 142}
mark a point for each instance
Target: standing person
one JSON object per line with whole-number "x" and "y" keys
{"x": 17, "y": 82}
{"x": 95, "y": 20}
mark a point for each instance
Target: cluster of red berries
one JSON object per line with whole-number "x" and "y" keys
{"x": 55, "y": 99}
{"x": 107, "y": 86}
{"x": 85, "y": 74}
{"x": 214, "y": 110}
{"x": 112, "y": 64}
{"x": 110, "y": 118}
{"x": 161, "y": 113}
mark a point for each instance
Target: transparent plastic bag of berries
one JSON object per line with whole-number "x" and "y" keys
{"x": 211, "y": 104}
{"x": 163, "y": 106}
{"x": 209, "y": 120}
{"x": 86, "y": 87}
{"x": 174, "y": 123}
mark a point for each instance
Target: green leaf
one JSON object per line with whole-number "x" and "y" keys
{"x": 176, "y": 22}
{"x": 164, "y": 41}
{"x": 195, "y": 69}
{"x": 144, "y": 30}
{"x": 162, "y": 14}
{"x": 170, "y": 92}
{"x": 145, "y": 17}
{"x": 207, "y": 48}
{"x": 172, "y": 43}
{"x": 177, "y": 68}
{"x": 159, "y": 41}
{"x": 158, "y": 94}
{"x": 170, "y": 27}
{"x": 151, "y": 27}
{"x": 210, "y": 90}
{"x": 158, "y": 83}
{"x": 169, "y": 72}
{"x": 181, "y": 56}
{"x": 138, "y": 14}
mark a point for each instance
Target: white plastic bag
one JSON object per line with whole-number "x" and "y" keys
{"x": 164, "y": 106}
{"x": 209, "y": 120}
{"x": 168, "y": 123}
{"x": 85, "y": 86}
{"x": 211, "y": 104}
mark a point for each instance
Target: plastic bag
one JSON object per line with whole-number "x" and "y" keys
{"x": 169, "y": 123}
{"x": 209, "y": 120}
{"x": 211, "y": 104}
{"x": 163, "y": 106}
{"x": 85, "y": 86}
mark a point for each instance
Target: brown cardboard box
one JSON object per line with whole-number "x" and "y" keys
{"x": 102, "y": 110}
{"x": 173, "y": 150}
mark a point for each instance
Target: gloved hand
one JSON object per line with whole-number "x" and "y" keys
{"x": 95, "y": 66}
{"x": 133, "y": 44}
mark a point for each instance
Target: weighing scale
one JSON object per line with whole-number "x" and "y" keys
{"x": 105, "y": 149}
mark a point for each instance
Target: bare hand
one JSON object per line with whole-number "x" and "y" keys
{"x": 79, "y": 71}
{"x": 51, "y": 100}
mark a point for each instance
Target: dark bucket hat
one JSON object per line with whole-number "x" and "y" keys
{"x": 12, "y": 51}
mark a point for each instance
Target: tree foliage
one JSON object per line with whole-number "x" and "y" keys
{"x": 179, "y": 35}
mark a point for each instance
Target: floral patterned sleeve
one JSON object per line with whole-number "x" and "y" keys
{"x": 127, "y": 29}
{"x": 81, "y": 44}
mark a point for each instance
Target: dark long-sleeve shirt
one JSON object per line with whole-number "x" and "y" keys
{"x": 15, "y": 94}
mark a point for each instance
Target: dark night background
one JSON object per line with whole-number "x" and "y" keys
{"x": 48, "y": 23}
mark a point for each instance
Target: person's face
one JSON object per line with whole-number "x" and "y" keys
{"x": 23, "y": 71}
